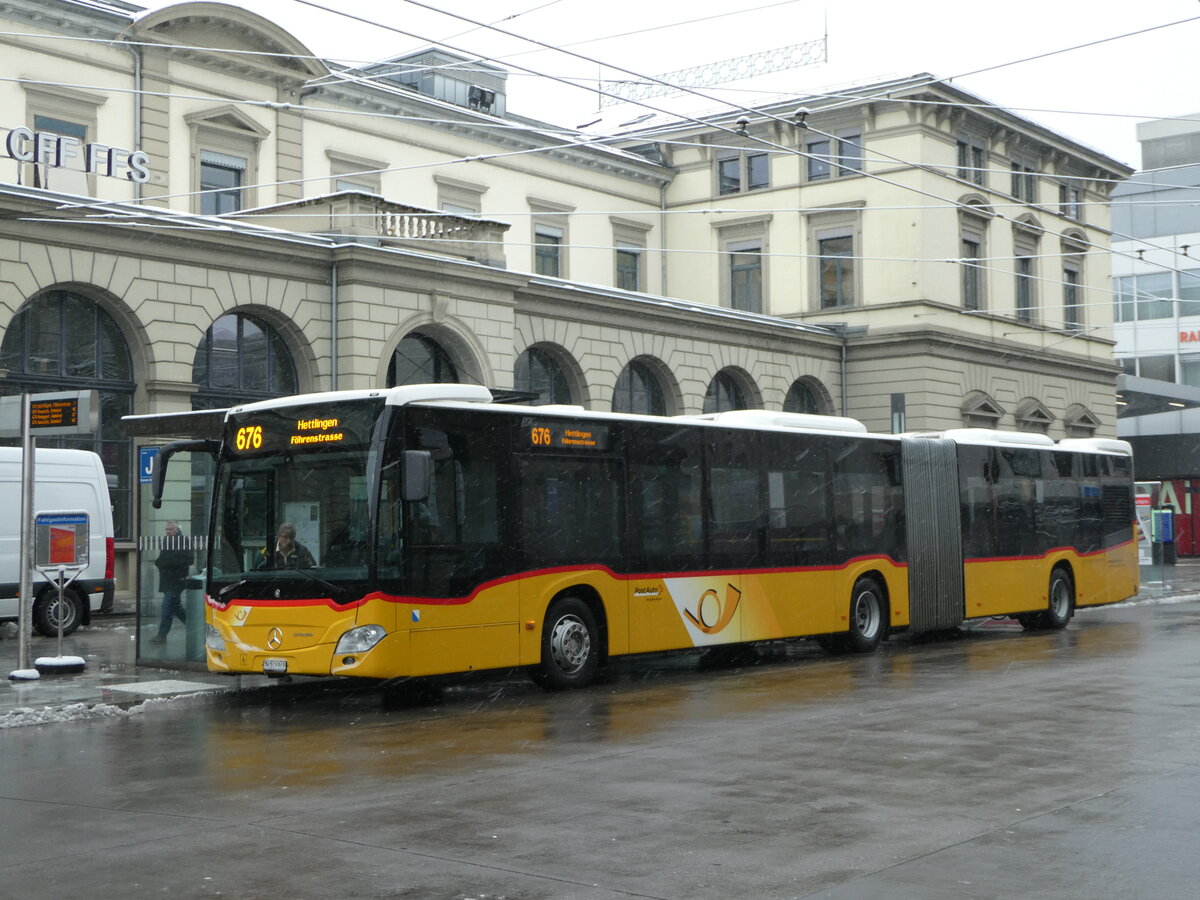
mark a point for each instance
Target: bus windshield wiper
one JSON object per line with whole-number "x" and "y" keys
{"x": 230, "y": 588}
{"x": 333, "y": 589}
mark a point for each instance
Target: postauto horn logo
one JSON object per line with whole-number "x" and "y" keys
{"x": 713, "y": 612}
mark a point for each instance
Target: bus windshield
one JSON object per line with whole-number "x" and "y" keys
{"x": 293, "y": 511}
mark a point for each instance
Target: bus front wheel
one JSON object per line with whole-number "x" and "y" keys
{"x": 570, "y": 647}
{"x": 868, "y": 619}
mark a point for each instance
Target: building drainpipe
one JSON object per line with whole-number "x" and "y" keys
{"x": 662, "y": 238}
{"x": 136, "y": 52}
{"x": 333, "y": 325}
{"x": 845, "y": 331}
{"x": 843, "y": 379}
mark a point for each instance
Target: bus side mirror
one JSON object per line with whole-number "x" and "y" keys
{"x": 417, "y": 475}
{"x": 158, "y": 468}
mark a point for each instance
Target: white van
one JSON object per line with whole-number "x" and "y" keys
{"x": 66, "y": 480}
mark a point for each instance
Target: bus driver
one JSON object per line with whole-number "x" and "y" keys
{"x": 288, "y": 554}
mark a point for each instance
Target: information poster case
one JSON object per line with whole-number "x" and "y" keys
{"x": 1146, "y": 499}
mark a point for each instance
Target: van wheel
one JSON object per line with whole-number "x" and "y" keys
{"x": 47, "y": 610}
{"x": 570, "y": 647}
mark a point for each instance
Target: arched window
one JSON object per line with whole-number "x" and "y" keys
{"x": 638, "y": 391}
{"x": 240, "y": 359}
{"x": 420, "y": 360}
{"x": 724, "y": 393}
{"x": 802, "y": 399}
{"x": 537, "y": 372}
{"x": 62, "y": 341}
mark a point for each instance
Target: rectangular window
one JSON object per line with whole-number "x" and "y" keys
{"x": 1024, "y": 183}
{"x": 1072, "y": 308}
{"x": 461, "y": 198}
{"x": 547, "y": 250}
{"x": 354, "y": 173}
{"x": 1025, "y": 288}
{"x": 971, "y": 161}
{"x": 1189, "y": 370}
{"x": 221, "y": 178}
{"x": 1189, "y": 292}
{"x": 834, "y": 158}
{"x": 629, "y": 267}
{"x": 62, "y": 127}
{"x": 837, "y": 271}
{"x": 743, "y": 172}
{"x": 758, "y": 171}
{"x": 1160, "y": 368}
{"x": 1125, "y": 309}
{"x": 1070, "y": 199}
{"x": 850, "y": 153}
{"x": 729, "y": 175}
{"x": 70, "y": 178}
{"x": 745, "y": 277}
{"x": 1154, "y": 296}
{"x": 979, "y": 164}
{"x": 818, "y": 159}
{"x": 972, "y": 274}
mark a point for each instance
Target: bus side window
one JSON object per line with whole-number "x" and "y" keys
{"x": 736, "y": 501}
{"x": 666, "y": 498}
{"x": 571, "y": 510}
{"x": 976, "y": 482}
{"x": 798, "y": 502}
{"x": 868, "y": 498}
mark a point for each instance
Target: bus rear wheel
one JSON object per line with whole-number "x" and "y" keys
{"x": 868, "y": 619}
{"x": 570, "y": 647}
{"x": 1060, "y": 608}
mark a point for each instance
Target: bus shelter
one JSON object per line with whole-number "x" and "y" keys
{"x": 172, "y": 541}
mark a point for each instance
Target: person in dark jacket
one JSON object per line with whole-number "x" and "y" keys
{"x": 173, "y": 563}
{"x": 287, "y": 554}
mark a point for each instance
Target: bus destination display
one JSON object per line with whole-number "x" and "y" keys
{"x": 565, "y": 436}
{"x": 296, "y": 432}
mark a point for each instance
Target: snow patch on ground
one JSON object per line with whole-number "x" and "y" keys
{"x": 73, "y": 712}
{"x": 1144, "y": 600}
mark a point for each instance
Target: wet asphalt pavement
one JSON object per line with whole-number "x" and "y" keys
{"x": 987, "y": 763}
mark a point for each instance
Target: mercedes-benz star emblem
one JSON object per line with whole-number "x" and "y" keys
{"x": 274, "y": 638}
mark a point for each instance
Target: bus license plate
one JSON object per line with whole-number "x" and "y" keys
{"x": 275, "y": 666}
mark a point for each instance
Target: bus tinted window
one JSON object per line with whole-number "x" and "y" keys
{"x": 798, "y": 502}
{"x": 868, "y": 499}
{"x": 976, "y": 482}
{"x": 570, "y": 510}
{"x": 452, "y": 539}
{"x": 735, "y": 498}
{"x": 1019, "y": 488}
{"x": 666, "y": 493}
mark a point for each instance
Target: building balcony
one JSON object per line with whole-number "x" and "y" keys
{"x": 369, "y": 218}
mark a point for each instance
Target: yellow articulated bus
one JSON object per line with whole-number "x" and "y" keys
{"x": 426, "y": 529}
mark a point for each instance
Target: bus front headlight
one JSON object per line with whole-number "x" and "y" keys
{"x": 213, "y": 639}
{"x": 361, "y": 639}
